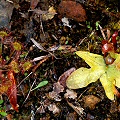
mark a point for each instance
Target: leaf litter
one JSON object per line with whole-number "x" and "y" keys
{"x": 41, "y": 21}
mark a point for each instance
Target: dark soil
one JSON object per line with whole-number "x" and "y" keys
{"x": 79, "y": 35}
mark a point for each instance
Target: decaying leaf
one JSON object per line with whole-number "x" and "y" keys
{"x": 73, "y": 10}
{"x": 91, "y": 101}
{"x": 58, "y": 88}
{"x": 70, "y": 94}
{"x": 50, "y": 14}
{"x": 53, "y": 108}
{"x": 37, "y": 44}
{"x": 77, "y": 108}
{"x": 71, "y": 116}
{"x": 65, "y": 75}
{"x": 33, "y": 4}
{"x": 109, "y": 75}
{"x": 54, "y": 96}
{"x": 46, "y": 15}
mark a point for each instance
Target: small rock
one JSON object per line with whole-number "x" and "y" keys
{"x": 73, "y": 10}
{"x": 6, "y": 10}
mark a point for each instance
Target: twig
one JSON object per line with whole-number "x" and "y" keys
{"x": 102, "y": 32}
{"x": 29, "y": 91}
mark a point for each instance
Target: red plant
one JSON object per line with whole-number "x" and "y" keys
{"x": 10, "y": 67}
{"x": 110, "y": 46}
{"x": 12, "y": 90}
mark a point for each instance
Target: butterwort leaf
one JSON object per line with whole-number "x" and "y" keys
{"x": 81, "y": 78}
{"x": 109, "y": 75}
{"x": 12, "y": 91}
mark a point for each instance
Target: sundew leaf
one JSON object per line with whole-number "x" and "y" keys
{"x": 3, "y": 33}
{"x": 109, "y": 75}
{"x": 14, "y": 66}
{"x": 41, "y": 84}
{"x": 26, "y": 65}
{"x": 12, "y": 91}
{"x": 17, "y": 46}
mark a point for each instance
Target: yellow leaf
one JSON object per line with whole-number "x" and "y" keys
{"x": 109, "y": 75}
{"x": 51, "y": 13}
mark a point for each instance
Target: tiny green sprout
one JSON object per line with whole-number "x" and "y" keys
{"x": 97, "y": 25}
{"x": 41, "y": 84}
{"x": 23, "y": 54}
{"x": 7, "y": 58}
{"x": 109, "y": 75}
{"x": 88, "y": 25}
{"x": 1, "y": 102}
{"x": 25, "y": 74}
{"x": 2, "y": 112}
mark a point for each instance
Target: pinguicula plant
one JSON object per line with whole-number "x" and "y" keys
{"x": 105, "y": 68}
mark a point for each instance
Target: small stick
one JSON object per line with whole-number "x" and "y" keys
{"x": 29, "y": 91}
{"x": 34, "y": 69}
{"x": 102, "y": 32}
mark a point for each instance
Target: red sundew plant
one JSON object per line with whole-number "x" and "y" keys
{"x": 10, "y": 67}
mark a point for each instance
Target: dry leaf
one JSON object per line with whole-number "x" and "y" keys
{"x": 33, "y": 4}
{"x": 50, "y": 14}
{"x": 77, "y": 108}
{"x": 62, "y": 79}
{"x": 70, "y": 94}
{"x": 58, "y": 88}
{"x": 55, "y": 96}
{"x": 54, "y": 108}
{"x": 90, "y": 101}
